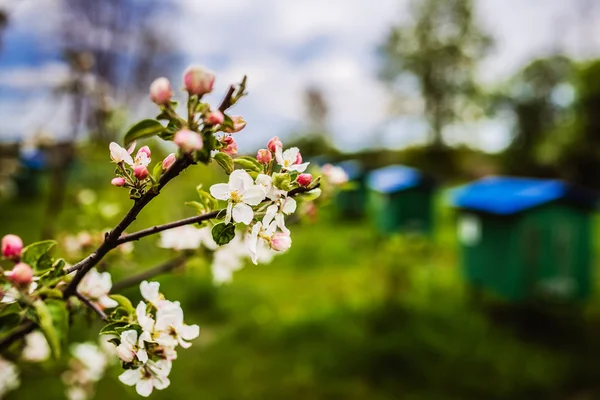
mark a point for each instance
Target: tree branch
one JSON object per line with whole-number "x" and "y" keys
{"x": 226, "y": 103}
{"x": 25, "y": 328}
{"x": 91, "y": 305}
{"x": 159, "y": 228}
{"x": 110, "y": 241}
{"x": 142, "y": 276}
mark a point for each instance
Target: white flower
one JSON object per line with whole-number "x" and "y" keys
{"x": 36, "y": 347}
{"x": 271, "y": 191}
{"x": 170, "y": 330}
{"x": 92, "y": 359}
{"x": 240, "y": 193}
{"x": 77, "y": 393}
{"x": 152, "y": 375}
{"x": 260, "y": 230}
{"x": 118, "y": 154}
{"x": 9, "y": 377}
{"x": 225, "y": 263}
{"x": 288, "y": 158}
{"x": 150, "y": 293}
{"x": 336, "y": 175}
{"x": 186, "y": 237}
{"x": 129, "y": 349}
{"x": 277, "y": 210}
{"x": 12, "y": 294}
{"x": 145, "y": 321}
{"x": 96, "y": 286}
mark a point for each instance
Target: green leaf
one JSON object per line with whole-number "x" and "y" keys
{"x": 143, "y": 129}
{"x": 223, "y": 233}
{"x": 249, "y": 163}
{"x": 227, "y": 124}
{"x": 113, "y": 328}
{"x": 282, "y": 181}
{"x": 225, "y": 162}
{"x": 206, "y": 199}
{"x": 123, "y": 302}
{"x": 197, "y": 206}
{"x": 310, "y": 195}
{"x": 35, "y": 251}
{"x": 54, "y": 323}
{"x": 51, "y": 293}
{"x": 157, "y": 171}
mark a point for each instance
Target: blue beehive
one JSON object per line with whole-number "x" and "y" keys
{"x": 524, "y": 238}
{"x": 401, "y": 199}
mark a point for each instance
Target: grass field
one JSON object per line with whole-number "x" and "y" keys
{"x": 344, "y": 314}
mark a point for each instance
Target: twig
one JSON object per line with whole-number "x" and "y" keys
{"x": 226, "y": 103}
{"x": 110, "y": 241}
{"x": 91, "y": 305}
{"x": 22, "y": 330}
{"x": 159, "y": 228}
{"x": 160, "y": 269}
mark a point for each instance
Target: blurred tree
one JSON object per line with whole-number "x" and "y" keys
{"x": 315, "y": 139}
{"x": 580, "y": 157}
{"x": 114, "y": 49}
{"x": 539, "y": 98}
{"x": 438, "y": 48}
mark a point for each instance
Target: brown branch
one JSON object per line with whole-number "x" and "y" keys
{"x": 226, "y": 103}
{"x": 25, "y": 328}
{"x": 110, "y": 240}
{"x": 159, "y": 228}
{"x": 91, "y": 305}
{"x": 142, "y": 276}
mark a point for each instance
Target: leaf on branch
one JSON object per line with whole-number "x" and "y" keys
{"x": 282, "y": 181}
{"x": 35, "y": 252}
{"x": 114, "y": 328}
{"x": 123, "y": 302}
{"x": 310, "y": 195}
{"x": 54, "y": 323}
{"x": 223, "y": 233}
{"x": 143, "y": 129}
{"x": 249, "y": 164}
{"x": 224, "y": 161}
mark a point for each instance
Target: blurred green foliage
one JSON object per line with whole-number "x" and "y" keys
{"x": 345, "y": 314}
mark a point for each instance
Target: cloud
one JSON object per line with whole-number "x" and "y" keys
{"x": 46, "y": 76}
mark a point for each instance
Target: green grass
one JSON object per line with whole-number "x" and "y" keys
{"x": 343, "y": 315}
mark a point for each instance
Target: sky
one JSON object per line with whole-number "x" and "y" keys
{"x": 285, "y": 47}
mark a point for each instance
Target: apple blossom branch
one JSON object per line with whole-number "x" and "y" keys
{"x": 91, "y": 305}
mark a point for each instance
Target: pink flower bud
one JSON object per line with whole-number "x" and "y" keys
{"x": 198, "y": 80}
{"x": 231, "y": 146}
{"x": 214, "y": 118}
{"x": 304, "y": 179}
{"x": 264, "y": 156}
{"x": 140, "y": 172}
{"x": 281, "y": 241}
{"x": 144, "y": 149}
{"x": 299, "y": 158}
{"x": 274, "y": 143}
{"x": 21, "y": 274}
{"x": 168, "y": 161}
{"x": 12, "y": 246}
{"x": 118, "y": 182}
{"x": 188, "y": 141}
{"x": 161, "y": 92}
{"x": 238, "y": 124}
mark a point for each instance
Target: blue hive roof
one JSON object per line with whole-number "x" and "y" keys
{"x": 507, "y": 195}
{"x": 394, "y": 178}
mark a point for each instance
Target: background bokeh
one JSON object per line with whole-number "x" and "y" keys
{"x": 458, "y": 89}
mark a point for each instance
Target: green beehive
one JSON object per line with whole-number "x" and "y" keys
{"x": 400, "y": 200}
{"x": 351, "y": 201}
{"x": 526, "y": 238}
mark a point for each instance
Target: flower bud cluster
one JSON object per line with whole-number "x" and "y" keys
{"x": 20, "y": 278}
{"x": 132, "y": 172}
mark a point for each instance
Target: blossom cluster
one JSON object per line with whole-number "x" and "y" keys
{"x": 20, "y": 278}
{"x": 148, "y": 340}
{"x": 87, "y": 366}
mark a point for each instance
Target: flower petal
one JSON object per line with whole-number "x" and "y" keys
{"x": 144, "y": 387}
{"x": 189, "y": 332}
{"x": 243, "y": 213}
{"x": 270, "y": 214}
{"x": 289, "y": 206}
{"x": 228, "y": 213}
{"x": 220, "y": 191}
{"x": 150, "y": 290}
{"x": 299, "y": 167}
{"x": 130, "y": 377}
{"x": 253, "y": 196}
{"x": 240, "y": 180}
{"x": 291, "y": 154}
